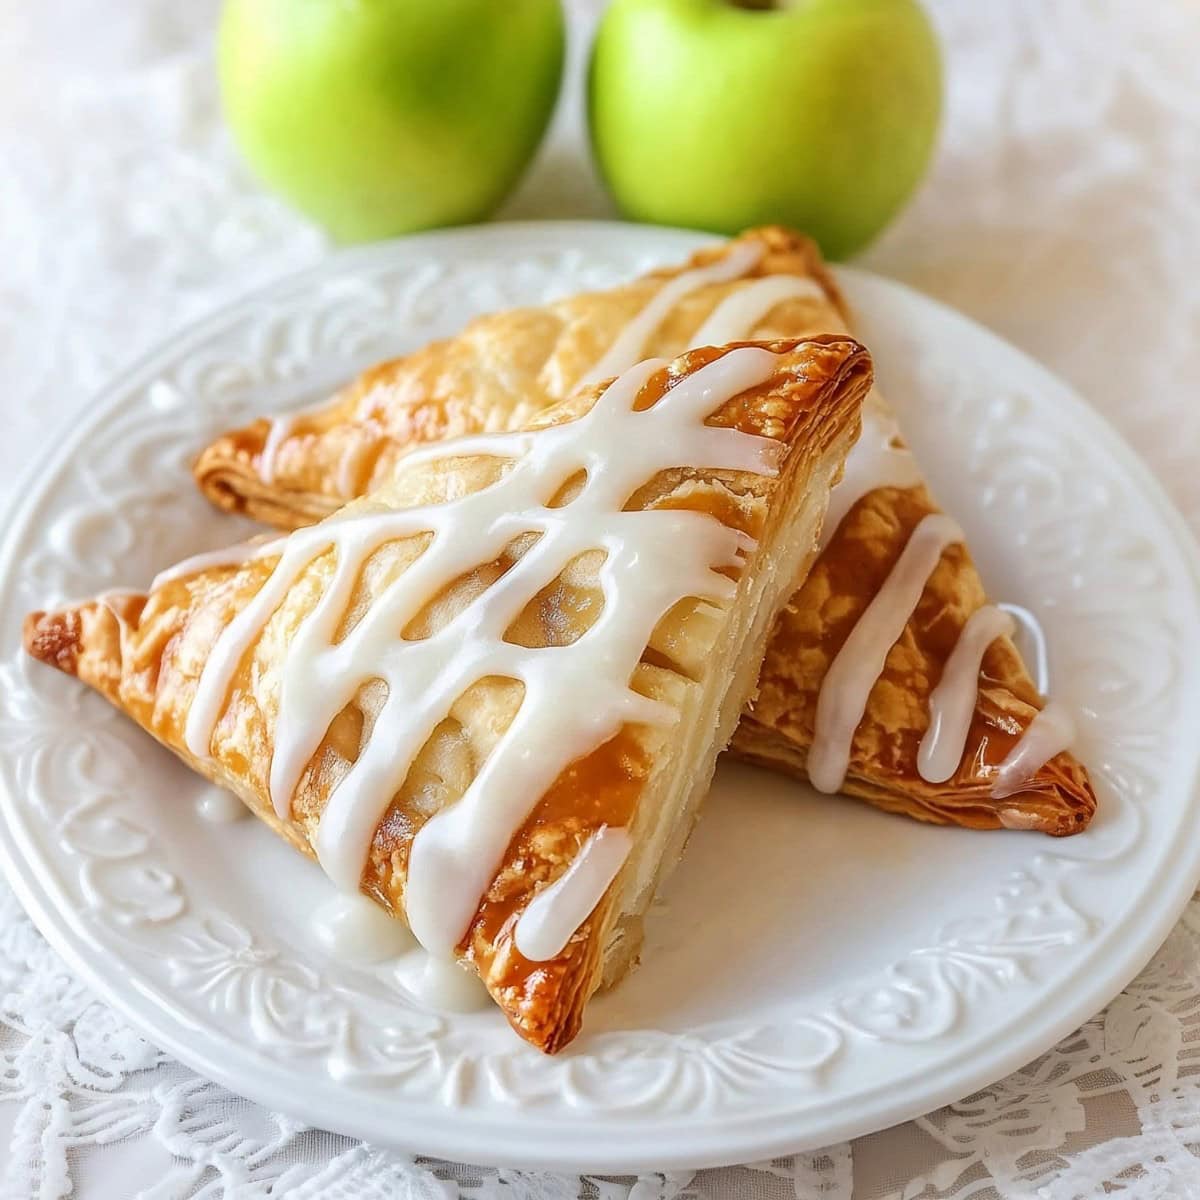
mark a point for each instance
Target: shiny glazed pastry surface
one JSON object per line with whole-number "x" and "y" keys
{"x": 149, "y": 654}
{"x": 503, "y": 367}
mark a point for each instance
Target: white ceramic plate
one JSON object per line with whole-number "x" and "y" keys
{"x": 817, "y": 970}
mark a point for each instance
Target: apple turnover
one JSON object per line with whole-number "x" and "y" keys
{"x": 490, "y": 696}
{"x": 889, "y": 676}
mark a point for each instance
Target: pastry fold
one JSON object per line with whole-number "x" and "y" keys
{"x": 149, "y": 654}
{"x": 504, "y": 367}
{"x": 497, "y": 373}
{"x": 776, "y": 731}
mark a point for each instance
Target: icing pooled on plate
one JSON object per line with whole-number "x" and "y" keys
{"x": 220, "y": 807}
{"x": 354, "y": 929}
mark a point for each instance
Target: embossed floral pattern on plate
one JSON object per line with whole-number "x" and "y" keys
{"x": 817, "y": 969}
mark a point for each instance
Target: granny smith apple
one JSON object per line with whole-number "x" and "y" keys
{"x": 377, "y": 117}
{"x": 719, "y": 115}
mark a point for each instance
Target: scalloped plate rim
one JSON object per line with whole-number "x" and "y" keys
{"x": 455, "y": 1135}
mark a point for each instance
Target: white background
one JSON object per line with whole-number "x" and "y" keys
{"x": 1063, "y": 210}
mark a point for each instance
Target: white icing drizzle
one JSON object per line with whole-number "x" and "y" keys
{"x": 554, "y": 914}
{"x": 228, "y": 556}
{"x": 350, "y": 464}
{"x": 282, "y": 428}
{"x": 735, "y": 317}
{"x": 842, "y": 699}
{"x": 354, "y": 929}
{"x": 1051, "y": 732}
{"x": 741, "y": 312}
{"x": 654, "y": 559}
{"x": 115, "y": 595}
{"x": 879, "y": 459}
{"x": 952, "y": 702}
{"x": 1028, "y": 621}
{"x": 630, "y": 343}
{"x": 220, "y": 807}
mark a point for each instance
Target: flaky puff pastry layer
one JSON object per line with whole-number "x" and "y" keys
{"x": 502, "y": 367}
{"x": 776, "y": 731}
{"x": 146, "y": 654}
{"x": 496, "y": 374}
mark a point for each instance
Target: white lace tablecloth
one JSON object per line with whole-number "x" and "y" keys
{"x": 1063, "y": 211}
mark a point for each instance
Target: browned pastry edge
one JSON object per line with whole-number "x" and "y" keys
{"x": 228, "y": 471}
{"x": 969, "y": 806}
{"x": 809, "y": 633}
{"x": 145, "y": 654}
{"x": 1065, "y": 801}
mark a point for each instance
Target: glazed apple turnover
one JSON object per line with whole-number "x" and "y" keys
{"x": 491, "y": 695}
{"x": 889, "y": 676}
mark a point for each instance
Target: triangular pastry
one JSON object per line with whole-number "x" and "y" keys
{"x": 767, "y": 283}
{"x": 491, "y": 695}
{"x": 294, "y": 469}
{"x": 890, "y": 677}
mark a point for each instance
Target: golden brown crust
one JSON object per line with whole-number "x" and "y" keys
{"x": 513, "y": 362}
{"x": 147, "y": 655}
{"x": 500, "y": 371}
{"x": 777, "y": 731}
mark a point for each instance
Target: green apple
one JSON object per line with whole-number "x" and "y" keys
{"x": 377, "y": 117}
{"x": 719, "y": 115}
